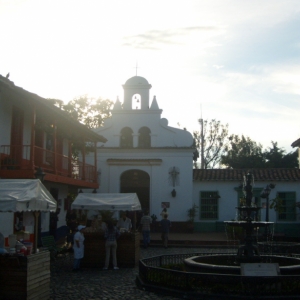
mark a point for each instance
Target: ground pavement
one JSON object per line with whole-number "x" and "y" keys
{"x": 95, "y": 283}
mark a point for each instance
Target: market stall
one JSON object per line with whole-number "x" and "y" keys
{"x": 25, "y": 276}
{"x": 128, "y": 250}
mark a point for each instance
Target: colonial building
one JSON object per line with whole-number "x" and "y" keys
{"x": 218, "y": 192}
{"x": 37, "y": 136}
{"x": 145, "y": 155}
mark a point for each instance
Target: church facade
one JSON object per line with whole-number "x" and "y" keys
{"x": 144, "y": 155}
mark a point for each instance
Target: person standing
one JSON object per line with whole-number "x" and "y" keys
{"x": 124, "y": 222}
{"x": 71, "y": 220}
{"x": 78, "y": 247}
{"x": 165, "y": 228}
{"x": 145, "y": 223}
{"x": 111, "y": 235}
{"x": 163, "y": 213}
{"x": 91, "y": 215}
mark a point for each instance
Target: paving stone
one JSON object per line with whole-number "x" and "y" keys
{"x": 93, "y": 283}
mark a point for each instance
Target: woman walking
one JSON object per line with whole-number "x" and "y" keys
{"x": 111, "y": 235}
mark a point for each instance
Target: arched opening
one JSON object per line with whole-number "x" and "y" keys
{"x": 126, "y": 139}
{"x": 137, "y": 181}
{"x": 144, "y": 138}
{"x": 136, "y": 101}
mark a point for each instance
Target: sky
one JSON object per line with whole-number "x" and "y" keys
{"x": 234, "y": 61}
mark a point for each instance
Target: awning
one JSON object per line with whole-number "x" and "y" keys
{"x": 112, "y": 202}
{"x": 25, "y": 195}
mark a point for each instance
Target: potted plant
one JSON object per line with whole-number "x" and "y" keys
{"x": 154, "y": 218}
{"x": 191, "y": 213}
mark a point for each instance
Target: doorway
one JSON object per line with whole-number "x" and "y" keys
{"x": 137, "y": 181}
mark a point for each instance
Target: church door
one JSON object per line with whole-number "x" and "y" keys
{"x": 137, "y": 181}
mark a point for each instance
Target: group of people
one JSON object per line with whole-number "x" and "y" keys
{"x": 112, "y": 233}
{"x": 165, "y": 224}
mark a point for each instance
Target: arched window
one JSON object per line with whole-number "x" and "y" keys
{"x": 144, "y": 138}
{"x": 126, "y": 140}
{"x": 136, "y": 101}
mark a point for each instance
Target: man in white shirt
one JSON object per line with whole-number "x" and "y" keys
{"x": 124, "y": 222}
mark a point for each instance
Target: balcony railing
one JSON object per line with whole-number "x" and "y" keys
{"x": 18, "y": 158}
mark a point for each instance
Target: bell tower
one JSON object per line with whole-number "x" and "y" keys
{"x": 136, "y": 85}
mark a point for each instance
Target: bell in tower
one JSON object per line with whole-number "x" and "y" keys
{"x": 139, "y": 86}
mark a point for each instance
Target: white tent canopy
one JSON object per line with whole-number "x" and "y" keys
{"x": 112, "y": 202}
{"x": 25, "y": 195}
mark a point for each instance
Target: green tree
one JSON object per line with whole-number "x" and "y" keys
{"x": 214, "y": 143}
{"x": 277, "y": 158}
{"x": 88, "y": 111}
{"x": 242, "y": 152}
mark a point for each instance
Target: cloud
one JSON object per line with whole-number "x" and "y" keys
{"x": 218, "y": 67}
{"x": 156, "y": 39}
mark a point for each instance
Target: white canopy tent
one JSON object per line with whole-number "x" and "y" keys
{"x": 112, "y": 202}
{"x": 19, "y": 195}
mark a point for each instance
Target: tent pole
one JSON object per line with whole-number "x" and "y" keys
{"x": 134, "y": 222}
{"x": 36, "y": 224}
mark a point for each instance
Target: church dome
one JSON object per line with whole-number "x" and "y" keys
{"x": 137, "y": 80}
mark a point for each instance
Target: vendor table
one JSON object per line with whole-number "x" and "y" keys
{"x": 128, "y": 249}
{"x": 25, "y": 277}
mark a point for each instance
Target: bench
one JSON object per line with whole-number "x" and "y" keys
{"x": 49, "y": 243}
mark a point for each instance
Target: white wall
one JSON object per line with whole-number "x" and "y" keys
{"x": 229, "y": 199}
{"x": 160, "y": 184}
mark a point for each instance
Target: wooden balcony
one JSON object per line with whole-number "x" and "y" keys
{"x": 16, "y": 162}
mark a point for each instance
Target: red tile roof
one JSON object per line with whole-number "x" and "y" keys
{"x": 237, "y": 174}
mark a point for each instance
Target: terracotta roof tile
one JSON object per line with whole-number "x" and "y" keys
{"x": 280, "y": 174}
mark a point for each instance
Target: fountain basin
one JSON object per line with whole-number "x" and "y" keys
{"x": 286, "y": 248}
{"x": 226, "y": 264}
{"x": 244, "y": 224}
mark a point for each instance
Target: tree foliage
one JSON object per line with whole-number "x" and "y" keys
{"x": 88, "y": 111}
{"x": 278, "y": 158}
{"x": 214, "y": 143}
{"x": 242, "y": 152}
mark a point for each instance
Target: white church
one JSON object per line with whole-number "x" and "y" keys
{"x": 144, "y": 155}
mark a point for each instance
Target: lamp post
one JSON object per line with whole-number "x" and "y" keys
{"x": 265, "y": 195}
{"x": 174, "y": 173}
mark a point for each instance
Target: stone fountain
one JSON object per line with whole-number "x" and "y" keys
{"x": 244, "y": 275}
{"x": 248, "y": 252}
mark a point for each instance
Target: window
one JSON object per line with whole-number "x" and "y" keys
{"x": 288, "y": 209}
{"x": 209, "y": 205}
{"x": 144, "y": 138}
{"x": 126, "y": 140}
